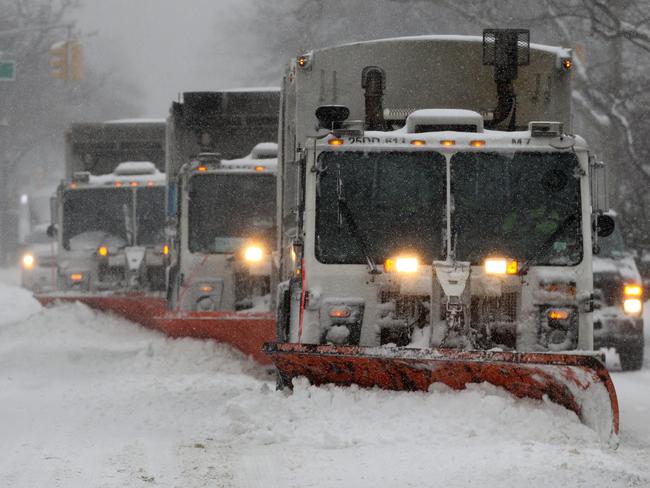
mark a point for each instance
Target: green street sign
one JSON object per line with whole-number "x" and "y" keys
{"x": 7, "y": 70}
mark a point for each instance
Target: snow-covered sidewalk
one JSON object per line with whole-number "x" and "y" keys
{"x": 88, "y": 399}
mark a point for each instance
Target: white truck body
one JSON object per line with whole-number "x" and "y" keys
{"x": 221, "y": 199}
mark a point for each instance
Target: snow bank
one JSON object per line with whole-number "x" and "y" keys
{"x": 634, "y": 395}
{"x": 16, "y": 304}
{"x": 333, "y": 418}
{"x": 87, "y": 399}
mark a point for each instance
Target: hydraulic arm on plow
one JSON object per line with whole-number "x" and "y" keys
{"x": 423, "y": 245}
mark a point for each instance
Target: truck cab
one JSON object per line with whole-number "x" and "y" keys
{"x": 228, "y": 234}
{"x": 401, "y": 226}
{"x": 112, "y": 230}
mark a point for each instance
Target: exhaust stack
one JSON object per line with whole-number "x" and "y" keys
{"x": 373, "y": 81}
{"x": 506, "y": 50}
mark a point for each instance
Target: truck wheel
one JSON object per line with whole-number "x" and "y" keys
{"x": 632, "y": 357}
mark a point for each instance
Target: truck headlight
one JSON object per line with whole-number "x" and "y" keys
{"x": 632, "y": 304}
{"x": 253, "y": 254}
{"x": 402, "y": 264}
{"x": 501, "y": 266}
{"x": 28, "y": 261}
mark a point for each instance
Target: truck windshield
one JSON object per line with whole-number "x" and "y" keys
{"x": 227, "y": 209}
{"x": 521, "y": 205}
{"x": 94, "y": 216}
{"x": 150, "y": 211}
{"x": 396, "y": 200}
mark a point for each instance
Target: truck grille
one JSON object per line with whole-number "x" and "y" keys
{"x": 495, "y": 319}
{"x": 489, "y": 310}
{"x": 406, "y": 307}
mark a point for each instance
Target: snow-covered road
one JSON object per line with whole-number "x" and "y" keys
{"x": 91, "y": 400}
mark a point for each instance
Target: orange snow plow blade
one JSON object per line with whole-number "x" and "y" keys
{"x": 141, "y": 308}
{"x": 247, "y": 331}
{"x": 579, "y": 382}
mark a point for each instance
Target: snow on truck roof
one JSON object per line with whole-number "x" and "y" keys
{"x": 133, "y": 173}
{"x": 559, "y": 51}
{"x": 135, "y": 168}
{"x": 264, "y": 150}
{"x": 263, "y": 158}
{"x": 423, "y": 117}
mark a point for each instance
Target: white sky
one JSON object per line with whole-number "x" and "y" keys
{"x": 162, "y": 47}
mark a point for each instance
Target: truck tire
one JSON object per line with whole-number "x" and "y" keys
{"x": 282, "y": 329}
{"x": 632, "y": 356}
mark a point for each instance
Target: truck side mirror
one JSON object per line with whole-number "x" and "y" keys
{"x": 331, "y": 116}
{"x": 604, "y": 225}
{"x": 52, "y": 231}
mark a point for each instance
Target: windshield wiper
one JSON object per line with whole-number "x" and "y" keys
{"x": 548, "y": 243}
{"x": 128, "y": 224}
{"x": 344, "y": 213}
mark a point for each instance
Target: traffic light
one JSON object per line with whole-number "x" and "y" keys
{"x": 59, "y": 60}
{"x": 67, "y": 60}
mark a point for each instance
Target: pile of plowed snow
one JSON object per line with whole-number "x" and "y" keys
{"x": 16, "y": 304}
{"x": 87, "y": 399}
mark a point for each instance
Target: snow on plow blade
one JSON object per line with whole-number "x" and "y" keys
{"x": 141, "y": 308}
{"x": 579, "y": 382}
{"x": 247, "y": 331}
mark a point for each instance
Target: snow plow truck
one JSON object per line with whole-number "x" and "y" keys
{"x": 108, "y": 218}
{"x": 435, "y": 221}
{"x": 619, "y": 297}
{"x": 221, "y": 211}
